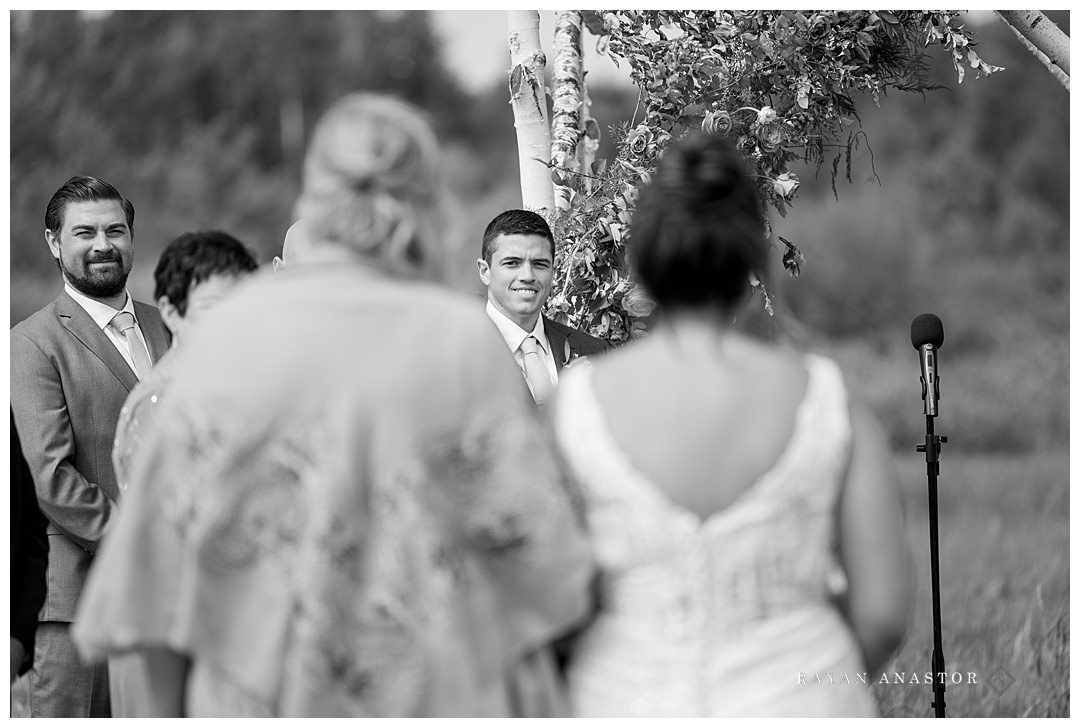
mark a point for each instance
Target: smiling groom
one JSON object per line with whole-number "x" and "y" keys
{"x": 517, "y": 264}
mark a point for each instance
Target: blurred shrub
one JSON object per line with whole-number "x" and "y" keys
{"x": 1011, "y": 399}
{"x": 199, "y": 117}
{"x": 859, "y": 262}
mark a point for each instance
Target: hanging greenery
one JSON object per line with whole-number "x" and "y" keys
{"x": 778, "y": 83}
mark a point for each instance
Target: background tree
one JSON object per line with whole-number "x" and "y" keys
{"x": 568, "y": 104}
{"x": 201, "y": 117}
{"x": 529, "y": 100}
{"x": 1043, "y": 38}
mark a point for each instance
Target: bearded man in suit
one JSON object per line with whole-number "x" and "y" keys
{"x": 516, "y": 265}
{"x": 72, "y": 366}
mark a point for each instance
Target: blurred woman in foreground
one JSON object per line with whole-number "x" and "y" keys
{"x": 347, "y": 507}
{"x": 741, "y": 504}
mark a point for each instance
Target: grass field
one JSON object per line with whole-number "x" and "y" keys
{"x": 1004, "y": 546}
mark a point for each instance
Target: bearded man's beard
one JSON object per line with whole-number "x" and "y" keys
{"x": 98, "y": 281}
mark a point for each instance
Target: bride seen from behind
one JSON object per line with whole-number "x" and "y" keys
{"x": 741, "y": 502}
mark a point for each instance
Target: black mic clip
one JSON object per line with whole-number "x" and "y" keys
{"x": 931, "y": 382}
{"x": 928, "y": 351}
{"x": 932, "y": 447}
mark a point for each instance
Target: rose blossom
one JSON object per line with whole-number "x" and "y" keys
{"x": 786, "y": 184}
{"x": 639, "y": 140}
{"x": 717, "y": 122}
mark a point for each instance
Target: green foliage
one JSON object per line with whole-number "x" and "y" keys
{"x": 779, "y": 84}
{"x": 594, "y": 289}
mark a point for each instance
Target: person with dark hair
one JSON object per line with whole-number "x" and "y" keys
{"x": 72, "y": 365}
{"x": 517, "y": 264}
{"x": 330, "y": 516}
{"x": 194, "y": 273}
{"x": 79, "y": 189}
{"x": 741, "y": 502}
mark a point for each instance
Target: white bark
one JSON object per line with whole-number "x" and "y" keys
{"x": 566, "y": 104}
{"x": 590, "y": 140}
{"x": 529, "y": 101}
{"x": 1043, "y": 38}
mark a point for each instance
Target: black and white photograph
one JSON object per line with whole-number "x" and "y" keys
{"x": 506, "y": 363}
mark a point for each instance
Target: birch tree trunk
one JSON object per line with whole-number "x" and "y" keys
{"x": 566, "y": 104}
{"x": 529, "y": 101}
{"x": 590, "y": 139}
{"x": 1043, "y": 38}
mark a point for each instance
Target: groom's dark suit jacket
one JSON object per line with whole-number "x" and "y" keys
{"x": 68, "y": 383}
{"x": 568, "y": 344}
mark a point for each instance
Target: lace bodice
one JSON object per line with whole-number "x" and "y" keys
{"x": 685, "y": 593}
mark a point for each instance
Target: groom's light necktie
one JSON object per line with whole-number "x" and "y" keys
{"x": 124, "y": 323}
{"x": 536, "y": 373}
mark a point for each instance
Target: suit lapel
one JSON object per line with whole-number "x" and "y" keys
{"x": 559, "y": 342}
{"x": 153, "y": 332}
{"x": 78, "y": 322}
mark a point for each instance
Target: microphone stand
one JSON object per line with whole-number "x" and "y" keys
{"x": 932, "y": 448}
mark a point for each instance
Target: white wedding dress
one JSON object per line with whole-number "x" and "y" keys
{"x": 724, "y": 616}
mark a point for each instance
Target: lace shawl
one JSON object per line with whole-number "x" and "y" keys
{"x": 346, "y": 506}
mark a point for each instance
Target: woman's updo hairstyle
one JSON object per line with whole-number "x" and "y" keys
{"x": 698, "y": 232}
{"x": 371, "y": 182}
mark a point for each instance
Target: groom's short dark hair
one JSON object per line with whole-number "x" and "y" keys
{"x": 515, "y": 222}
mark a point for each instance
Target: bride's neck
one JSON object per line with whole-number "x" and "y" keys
{"x": 698, "y": 331}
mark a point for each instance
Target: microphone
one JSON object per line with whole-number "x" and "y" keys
{"x": 927, "y": 336}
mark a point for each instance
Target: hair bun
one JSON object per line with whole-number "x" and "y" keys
{"x": 715, "y": 172}
{"x": 371, "y": 180}
{"x": 367, "y": 145}
{"x": 692, "y": 175}
{"x": 697, "y": 232}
